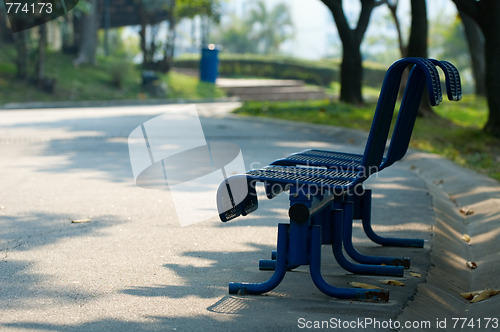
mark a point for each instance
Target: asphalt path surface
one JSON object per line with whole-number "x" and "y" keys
{"x": 128, "y": 265}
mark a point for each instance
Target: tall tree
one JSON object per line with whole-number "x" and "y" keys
{"x": 417, "y": 44}
{"x": 351, "y": 69}
{"x": 20, "y": 42}
{"x": 88, "y": 39}
{"x": 236, "y": 37}
{"x": 44, "y": 83}
{"x": 153, "y": 12}
{"x": 42, "y": 44}
{"x": 486, "y": 13}
{"x": 207, "y": 10}
{"x": 393, "y": 8}
{"x": 149, "y": 22}
{"x": 418, "y": 47}
{"x": 270, "y": 27}
{"x": 261, "y": 30}
{"x": 5, "y": 33}
{"x": 475, "y": 42}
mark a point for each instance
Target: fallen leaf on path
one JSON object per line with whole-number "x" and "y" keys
{"x": 471, "y": 265}
{"x": 363, "y": 285}
{"x": 416, "y": 275}
{"x": 477, "y": 296}
{"x": 469, "y": 295}
{"x": 466, "y": 238}
{"x": 392, "y": 282}
{"x": 467, "y": 211}
{"x": 80, "y": 221}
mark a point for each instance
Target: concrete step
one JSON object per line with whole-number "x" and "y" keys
{"x": 255, "y": 82}
{"x": 265, "y": 89}
{"x": 282, "y": 94}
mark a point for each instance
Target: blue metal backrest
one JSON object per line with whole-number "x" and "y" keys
{"x": 453, "y": 85}
{"x": 424, "y": 72}
{"x": 379, "y": 132}
{"x": 411, "y": 102}
{"x": 406, "y": 118}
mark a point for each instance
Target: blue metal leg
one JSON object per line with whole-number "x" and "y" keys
{"x": 356, "y": 255}
{"x": 337, "y": 219}
{"x": 270, "y": 265}
{"x": 279, "y": 272}
{"x": 267, "y": 264}
{"x": 365, "y": 210}
{"x": 374, "y": 295}
{"x": 297, "y": 251}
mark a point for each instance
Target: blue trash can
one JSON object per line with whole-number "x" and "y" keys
{"x": 209, "y": 63}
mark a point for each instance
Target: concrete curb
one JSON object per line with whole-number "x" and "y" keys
{"x": 452, "y": 188}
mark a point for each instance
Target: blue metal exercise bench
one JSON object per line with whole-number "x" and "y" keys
{"x": 321, "y": 199}
{"x": 359, "y": 206}
{"x": 398, "y": 147}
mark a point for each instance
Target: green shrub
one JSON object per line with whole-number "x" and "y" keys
{"x": 312, "y": 72}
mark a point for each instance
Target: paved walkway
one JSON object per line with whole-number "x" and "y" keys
{"x": 133, "y": 268}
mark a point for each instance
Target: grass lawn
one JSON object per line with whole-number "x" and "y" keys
{"x": 110, "y": 79}
{"x": 456, "y": 134}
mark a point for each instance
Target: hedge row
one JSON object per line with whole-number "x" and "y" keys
{"x": 282, "y": 69}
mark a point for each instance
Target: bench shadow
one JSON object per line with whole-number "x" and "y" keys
{"x": 207, "y": 281}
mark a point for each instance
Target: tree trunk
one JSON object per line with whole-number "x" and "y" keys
{"x": 70, "y": 32}
{"x": 22, "y": 54}
{"x": 417, "y": 44}
{"x": 352, "y": 66}
{"x": 417, "y": 47}
{"x": 5, "y": 33}
{"x": 42, "y": 82}
{"x": 40, "y": 64}
{"x": 88, "y": 42}
{"x": 492, "y": 47}
{"x": 475, "y": 41}
{"x": 144, "y": 49}
{"x": 351, "y": 73}
{"x": 147, "y": 56}
{"x": 169, "y": 50}
{"x": 74, "y": 46}
{"x": 486, "y": 14}
{"x": 153, "y": 29}
{"x": 393, "y": 9}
